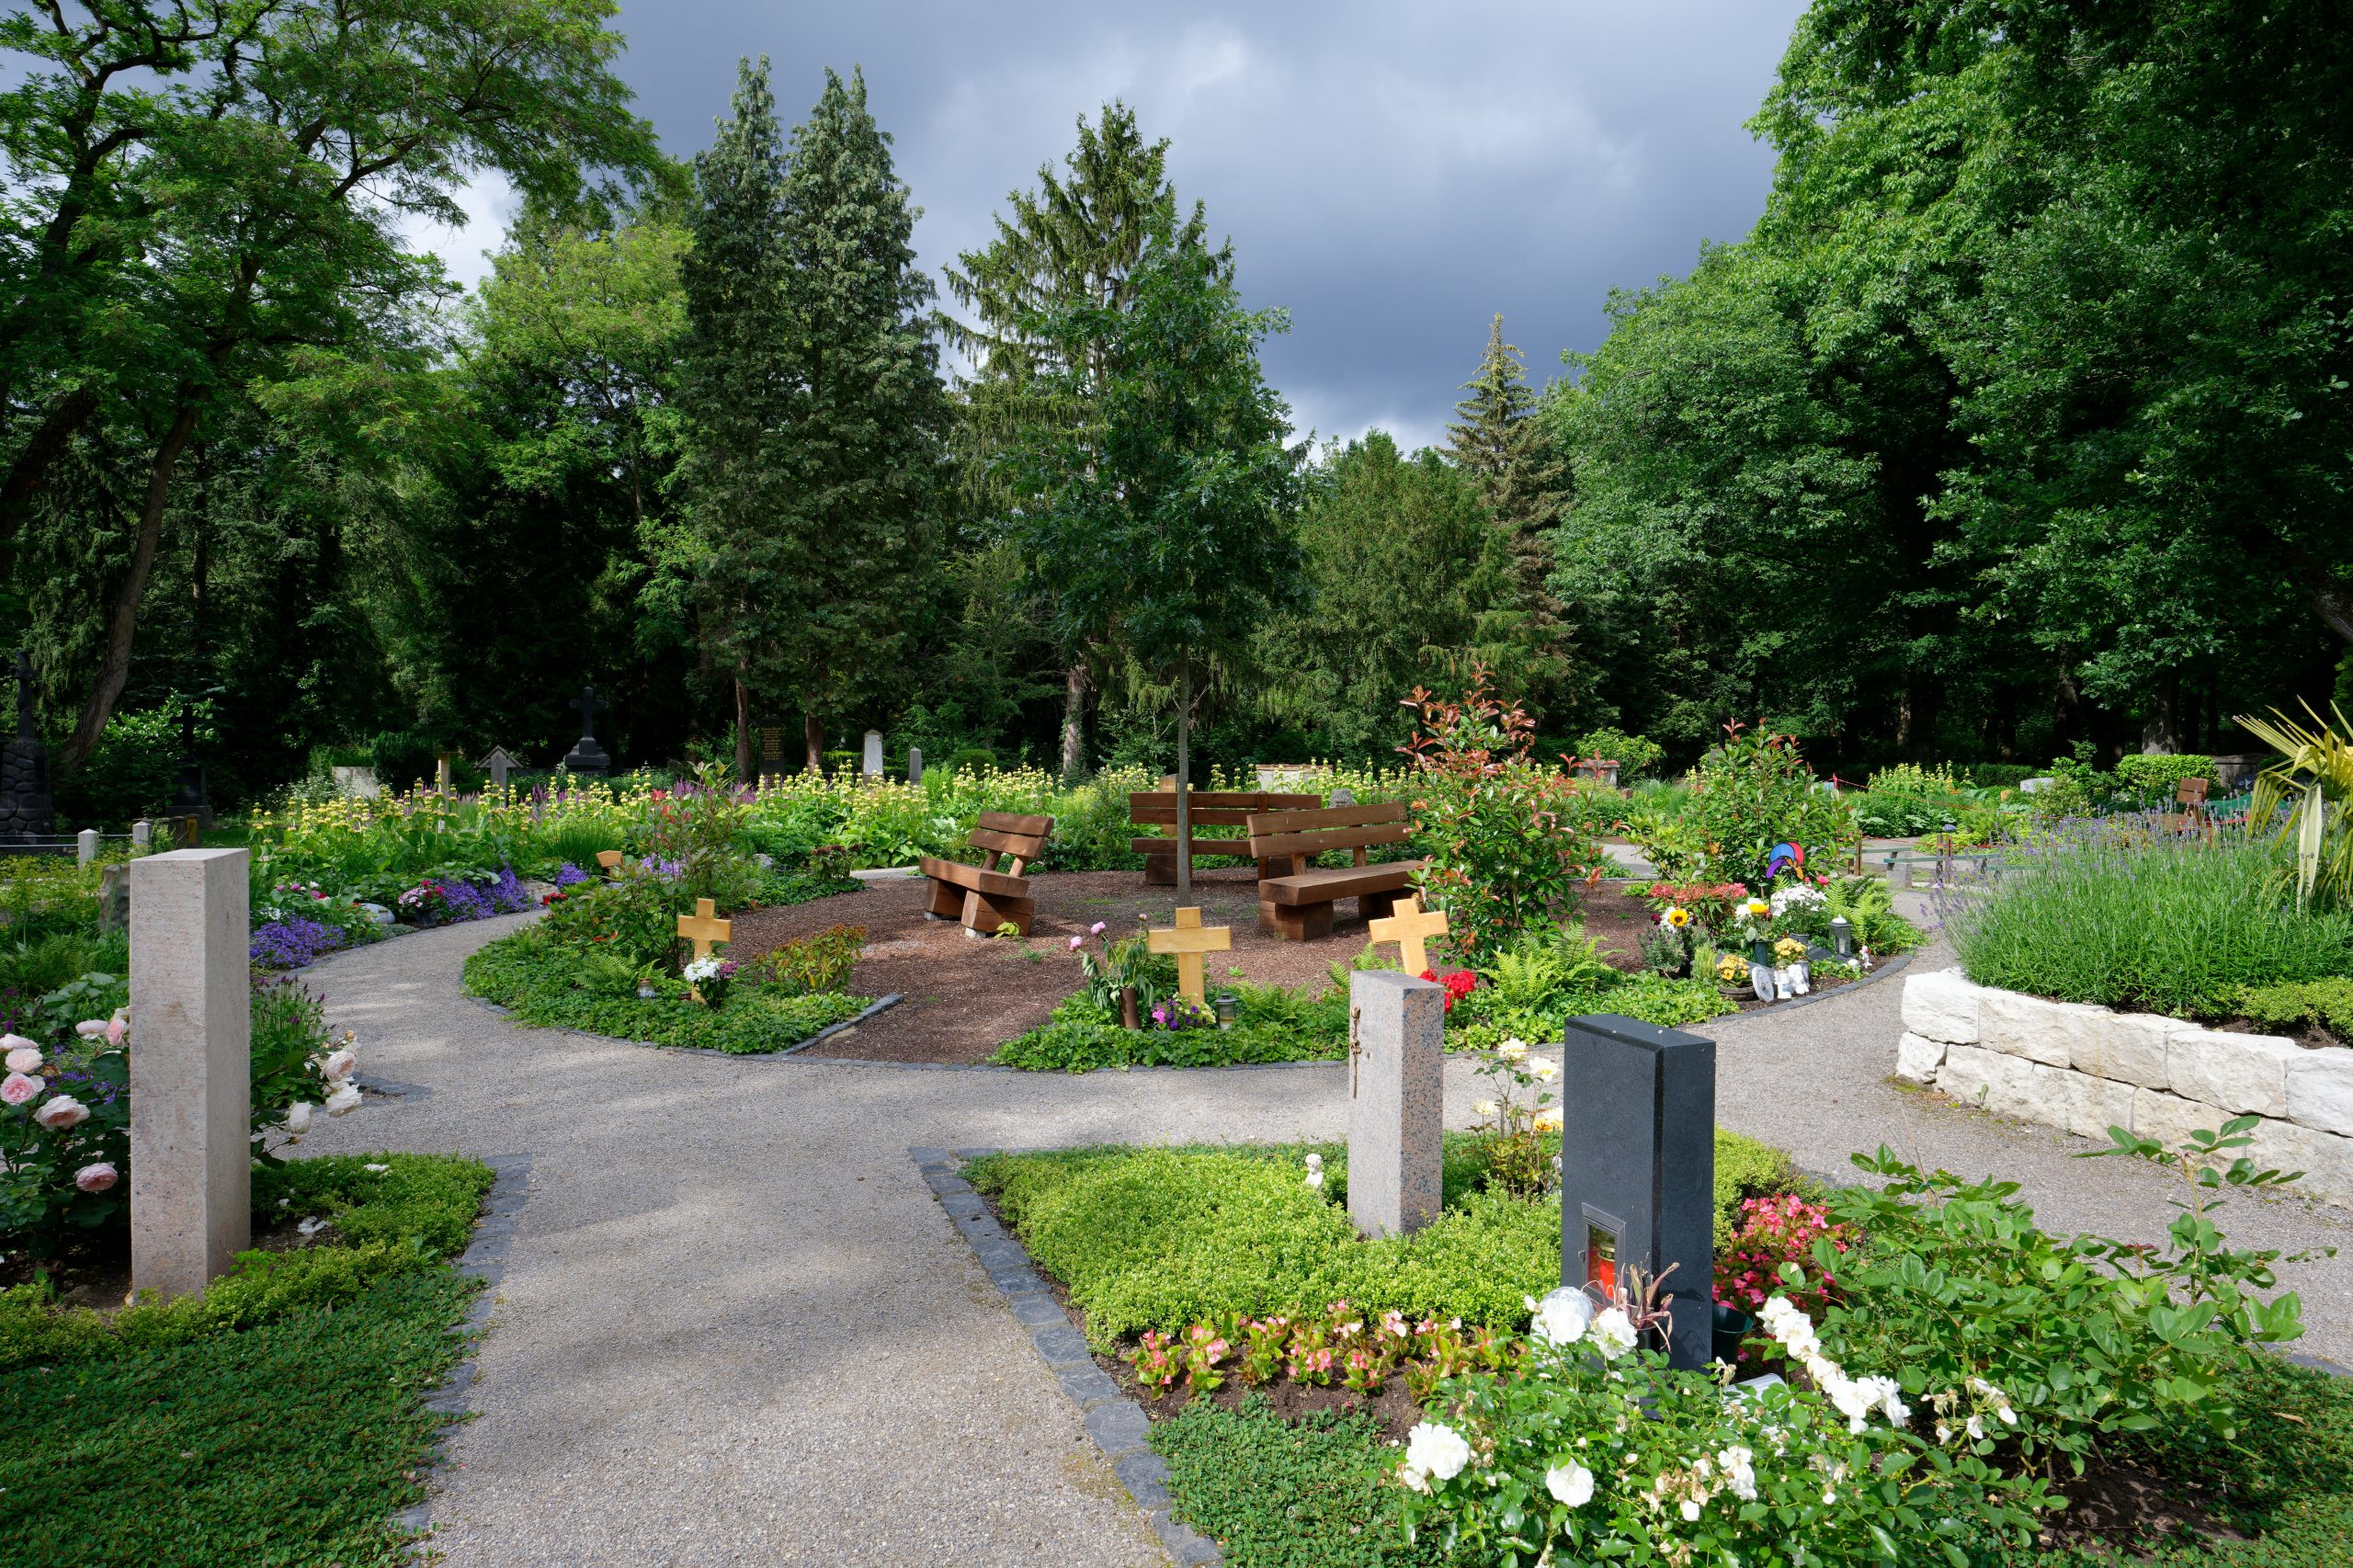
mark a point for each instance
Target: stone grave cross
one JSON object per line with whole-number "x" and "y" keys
{"x": 1189, "y": 941}
{"x": 703, "y": 928}
{"x": 497, "y": 763}
{"x": 586, "y": 756}
{"x": 1410, "y": 927}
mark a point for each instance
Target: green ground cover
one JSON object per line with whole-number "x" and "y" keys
{"x": 276, "y": 1418}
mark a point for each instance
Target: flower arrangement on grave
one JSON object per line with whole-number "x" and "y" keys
{"x": 1518, "y": 1160}
{"x": 1124, "y": 979}
{"x": 1667, "y": 945}
{"x": 710, "y": 976}
{"x": 1459, "y": 985}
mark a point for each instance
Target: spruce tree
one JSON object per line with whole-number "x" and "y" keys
{"x": 1518, "y": 474}
{"x": 1075, "y": 243}
{"x": 815, "y": 402}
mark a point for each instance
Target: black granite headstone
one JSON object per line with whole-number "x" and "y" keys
{"x": 26, "y": 810}
{"x": 190, "y": 799}
{"x": 1637, "y": 1167}
{"x": 586, "y": 756}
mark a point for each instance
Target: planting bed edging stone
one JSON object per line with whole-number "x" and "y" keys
{"x": 2086, "y": 1068}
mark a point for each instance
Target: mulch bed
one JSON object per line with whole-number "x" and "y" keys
{"x": 967, "y": 994}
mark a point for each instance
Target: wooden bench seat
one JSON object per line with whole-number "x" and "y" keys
{"x": 984, "y": 897}
{"x": 1295, "y": 898}
{"x": 1210, "y": 808}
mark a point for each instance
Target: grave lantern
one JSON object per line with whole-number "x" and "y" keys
{"x": 1842, "y": 939}
{"x": 1638, "y": 1164}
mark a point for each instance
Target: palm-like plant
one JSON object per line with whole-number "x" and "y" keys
{"x": 2314, "y": 780}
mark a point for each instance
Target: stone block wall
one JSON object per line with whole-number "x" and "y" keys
{"x": 2086, "y": 1069}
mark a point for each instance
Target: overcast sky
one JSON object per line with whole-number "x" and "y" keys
{"x": 1391, "y": 174}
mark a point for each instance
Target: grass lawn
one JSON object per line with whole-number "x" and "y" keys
{"x": 273, "y": 1420}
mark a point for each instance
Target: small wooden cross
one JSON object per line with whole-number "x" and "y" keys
{"x": 703, "y": 928}
{"x": 1409, "y": 926}
{"x": 609, "y": 860}
{"x": 1188, "y": 942}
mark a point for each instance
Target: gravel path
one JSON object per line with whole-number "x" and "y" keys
{"x": 735, "y": 1327}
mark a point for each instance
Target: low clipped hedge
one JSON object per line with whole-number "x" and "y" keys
{"x": 275, "y": 1418}
{"x": 536, "y": 980}
{"x": 1161, "y": 1238}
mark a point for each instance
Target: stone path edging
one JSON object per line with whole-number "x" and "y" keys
{"x": 872, "y": 1008}
{"x": 485, "y": 1259}
{"x": 1881, "y": 972}
{"x": 1116, "y": 1423}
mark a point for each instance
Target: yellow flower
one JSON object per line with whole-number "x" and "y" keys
{"x": 1678, "y": 916}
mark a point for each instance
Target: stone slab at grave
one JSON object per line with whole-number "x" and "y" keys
{"x": 85, "y": 845}
{"x": 496, "y": 765}
{"x": 1637, "y": 1167}
{"x": 192, "y": 1018}
{"x": 1396, "y": 1100}
{"x": 914, "y": 764}
{"x": 871, "y": 765}
{"x": 26, "y": 808}
{"x": 143, "y": 836}
{"x": 1189, "y": 941}
{"x": 586, "y": 756}
{"x": 768, "y": 736}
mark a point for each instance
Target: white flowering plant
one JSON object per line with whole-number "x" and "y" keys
{"x": 1596, "y": 1450}
{"x": 1519, "y": 1113}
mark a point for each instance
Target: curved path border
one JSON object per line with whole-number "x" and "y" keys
{"x": 736, "y": 1325}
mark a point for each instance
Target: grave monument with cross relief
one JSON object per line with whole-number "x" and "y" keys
{"x": 1189, "y": 942}
{"x": 1409, "y": 926}
{"x": 703, "y": 928}
{"x": 586, "y": 756}
{"x": 496, "y": 764}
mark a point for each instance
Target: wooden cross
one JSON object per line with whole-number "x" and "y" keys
{"x": 703, "y": 928}
{"x": 609, "y": 860}
{"x": 1188, "y": 942}
{"x": 1409, "y": 926}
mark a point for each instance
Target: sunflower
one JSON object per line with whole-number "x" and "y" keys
{"x": 1676, "y": 917}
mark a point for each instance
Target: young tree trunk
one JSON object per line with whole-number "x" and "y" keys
{"x": 122, "y": 619}
{"x": 744, "y": 773}
{"x": 1184, "y": 788}
{"x": 2162, "y": 734}
{"x": 812, "y": 738}
{"x": 1075, "y": 684}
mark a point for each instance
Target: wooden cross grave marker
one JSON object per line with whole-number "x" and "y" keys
{"x": 609, "y": 860}
{"x": 1410, "y": 927}
{"x": 703, "y": 928}
{"x": 1188, "y": 942}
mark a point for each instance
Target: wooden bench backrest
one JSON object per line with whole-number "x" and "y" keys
{"x": 1018, "y": 838}
{"x": 2192, "y": 791}
{"x": 1213, "y": 808}
{"x": 1301, "y": 836}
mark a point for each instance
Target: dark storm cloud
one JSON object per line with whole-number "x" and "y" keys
{"x": 1391, "y": 174}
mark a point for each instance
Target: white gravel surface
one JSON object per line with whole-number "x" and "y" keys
{"x": 736, "y": 1328}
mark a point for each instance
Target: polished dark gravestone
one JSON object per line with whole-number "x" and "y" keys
{"x": 25, "y": 809}
{"x": 586, "y": 756}
{"x": 1637, "y": 1167}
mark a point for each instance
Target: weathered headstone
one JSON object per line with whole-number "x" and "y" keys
{"x": 191, "y": 1152}
{"x": 443, "y": 766}
{"x": 143, "y": 836}
{"x": 586, "y": 756}
{"x": 1189, "y": 941}
{"x": 914, "y": 764}
{"x": 25, "y": 809}
{"x": 357, "y": 783}
{"x": 114, "y": 898}
{"x": 771, "y": 733}
{"x": 190, "y": 799}
{"x": 872, "y": 764}
{"x": 85, "y": 845}
{"x": 1637, "y": 1167}
{"x": 496, "y": 764}
{"x": 1396, "y": 1100}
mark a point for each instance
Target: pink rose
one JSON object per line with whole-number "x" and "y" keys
{"x": 15, "y": 1088}
{"x": 1077, "y": 943}
{"x": 24, "y": 1058}
{"x": 90, "y": 1028}
{"x": 96, "y": 1178}
{"x": 117, "y": 1027}
{"x": 15, "y": 1042}
{"x": 339, "y": 1063}
{"x": 63, "y": 1112}
{"x": 1097, "y": 928}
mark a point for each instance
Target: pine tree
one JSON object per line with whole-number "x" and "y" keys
{"x": 814, "y": 402}
{"x": 1077, "y": 241}
{"x": 1519, "y": 476}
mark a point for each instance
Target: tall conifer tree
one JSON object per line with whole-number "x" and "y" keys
{"x": 1521, "y": 476}
{"x": 1075, "y": 243}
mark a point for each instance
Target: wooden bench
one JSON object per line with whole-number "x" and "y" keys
{"x": 1295, "y": 901}
{"x": 1211, "y": 808}
{"x": 984, "y": 897}
{"x": 2191, "y": 796}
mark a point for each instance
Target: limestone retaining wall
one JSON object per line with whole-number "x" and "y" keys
{"x": 2086, "y": 1069}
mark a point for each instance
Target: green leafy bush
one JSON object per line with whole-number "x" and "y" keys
{"x": 818, "y": 962}
{"x": 2103, "y": 913}
{"x": 1751, "y": 792}
{"x": 2328, "y": 1002}
{"x": 1272, "y": 1025}
{"x": 1635, "y": 754}
{"x": 551, "y": 985}
{"x": 1277, "y": 1494}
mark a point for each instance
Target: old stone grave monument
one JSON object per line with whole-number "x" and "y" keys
{"x": 586, "y": 756}
{"x": 496, "y": 765}
{"x": 870, "y": 763}
{"x": 191, "y": 1018}
{"x": 26, "y": 808}
{"x": 1638, "y": 1169}
{"x": 1396, "y": 1100}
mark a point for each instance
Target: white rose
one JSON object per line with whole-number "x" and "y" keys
{"x": 24, "y": 1058}
{"x": 63, "y": 1112}
{"x": 1482, "y": 1107}
{"x": 1690, "y": 1510}
{"x": 1513, "y": 1050}
{"x": 298, "y": 1118}
{"x": 1613, "y": 1333}
{"x": 1436, "y": 1450}
{"x": 344, "y": 1099}
{"x": 339, "y": 1063}
{"x": 1543, "y": 1071}
{"x": 1563, "y": 1316}
{"x": 1740, "y": 1472}
{"x": 1570, "y": 1483}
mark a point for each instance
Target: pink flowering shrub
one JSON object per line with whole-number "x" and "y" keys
{"x": 1341, "y": 1345}
{"x": 1772, "y": 1231}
